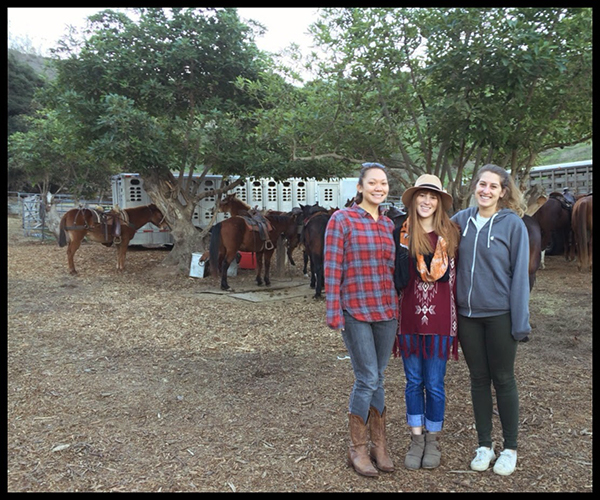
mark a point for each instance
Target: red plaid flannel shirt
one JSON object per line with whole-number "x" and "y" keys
{"x": 359, "y": 267}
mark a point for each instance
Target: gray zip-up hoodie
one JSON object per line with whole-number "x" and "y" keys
{"x": 493, "y": 268}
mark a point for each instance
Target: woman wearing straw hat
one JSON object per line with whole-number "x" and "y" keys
{"x": 425, "y": 278}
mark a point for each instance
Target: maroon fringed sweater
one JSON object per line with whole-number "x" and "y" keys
{"x": 428, "y": 309}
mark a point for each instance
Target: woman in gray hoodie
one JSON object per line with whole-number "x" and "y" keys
{"x": 493, "y": 307}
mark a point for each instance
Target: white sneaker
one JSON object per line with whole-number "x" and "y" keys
{"x": 483, "y": 457}
{"x": 506, "y": 463}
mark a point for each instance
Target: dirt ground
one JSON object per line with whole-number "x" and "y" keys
{"x": 147, "y": 382}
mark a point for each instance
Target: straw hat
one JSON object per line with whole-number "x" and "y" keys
{"x": 431, "y": 182}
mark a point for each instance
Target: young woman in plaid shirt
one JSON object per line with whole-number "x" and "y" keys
{"x": 362, "y": 302}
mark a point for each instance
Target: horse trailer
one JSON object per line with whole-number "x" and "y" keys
{"x": 263, "y": 194}
{"x": 577, "y": 176}
{"x": 127, "y": 192}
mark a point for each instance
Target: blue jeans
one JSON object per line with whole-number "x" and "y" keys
{"x": 425, "y": 394}
{"x": 370, "y": 347}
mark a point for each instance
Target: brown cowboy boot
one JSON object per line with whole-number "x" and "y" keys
{"x": 379, "y": 451}
{"x": 432, "y": 453}
{"x": 358, "y": 453}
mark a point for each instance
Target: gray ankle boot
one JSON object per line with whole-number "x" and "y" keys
{"x": 415, "y": 453}
{"x": 432, "y": 453}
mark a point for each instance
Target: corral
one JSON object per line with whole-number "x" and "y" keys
{"x": 146, "y": 381}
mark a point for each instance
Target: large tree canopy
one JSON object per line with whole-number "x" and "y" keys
{"x": 439, "y": 90}
{"x": 160, "y": 95}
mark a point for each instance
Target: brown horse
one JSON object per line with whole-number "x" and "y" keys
{"x": 315, "y": 221}
{"x": 235, "y": 234}
{"x": 232, "y": 204}
{"x": 535, "y": 247}
{"x": 116, "y": 227}
{"x": 554, "y": 218}
{"x": 582, "y": 232}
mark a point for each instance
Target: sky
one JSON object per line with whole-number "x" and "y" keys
{"x": 42, "y": 27}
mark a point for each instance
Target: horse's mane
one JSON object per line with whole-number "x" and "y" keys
{"x": 234, "y": 200}
{"x": 282, "y": 218}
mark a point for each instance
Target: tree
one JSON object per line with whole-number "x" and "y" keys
{"x": 448, "y": 89}
{"x": 23, "y": 81}
{"x": 158, "y": 96}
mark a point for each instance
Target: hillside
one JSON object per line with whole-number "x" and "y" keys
{"x": 40, "y": 64}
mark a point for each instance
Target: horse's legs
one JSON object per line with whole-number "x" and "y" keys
{"x": 227, "y": 260}
{"x": 267, "y": 257}
{"x": 542, "y": 263}
{"x": 121, "y": 250}
{"x": 290, "y": 256}
{"x": 72, "y": 247}
{"x": 313, "y": 271}
{"x": 305, "y": 256}
{"x": 319, "y": 275}
{"x": 259, "y": 268}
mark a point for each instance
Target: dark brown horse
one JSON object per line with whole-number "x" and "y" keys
{"x": 116, "y": 226}
{"x": 313, "y": 239}
{"x": 582, "y": 231}
{"x": 305, "y": 212}
{"x": 235, "y": 234}
{"x": 535, "y": 247}
{"x": 554, "y": 218}
{"x": 398, "y": 216}
{"x": 291, "y": 234}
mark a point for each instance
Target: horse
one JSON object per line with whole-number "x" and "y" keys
{"x": 305, "y": 212}
{"x": 291, "y": 234}
{"x": 582, "y": 231}
{"x": 554, "y": 218}
{"x": 235, "y": 234}
{"x": 232, "y": 204}
{"x": 116, "y": 226}
{"x": 535, "y": 247}
{"x": 398, "y": 216}
{"x": 313, "y": 238}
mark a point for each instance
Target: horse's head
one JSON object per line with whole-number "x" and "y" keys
{"x": 232, "y": 204}
{"x": 225, "y": 202}
{"x": 157, "y": 218}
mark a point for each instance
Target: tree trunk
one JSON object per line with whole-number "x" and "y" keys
{"x": 188, "y": 240}
{"x": 187, "y": 237}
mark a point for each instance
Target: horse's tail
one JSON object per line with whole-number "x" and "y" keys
{"x": 62, "y": 234}
{"x": 581, "y": 234}
{"x": 215, "y": 242}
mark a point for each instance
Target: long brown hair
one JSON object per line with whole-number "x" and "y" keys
{"x": 418, "y": 241}
{"x": 513, "y": 198}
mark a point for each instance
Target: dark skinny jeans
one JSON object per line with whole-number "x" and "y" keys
{"x": 490, "y": 350}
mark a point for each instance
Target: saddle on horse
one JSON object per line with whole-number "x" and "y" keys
{"x": 109, "y": 222}
{"x": 259, "y": 223}
{"x": 566, "y": 199}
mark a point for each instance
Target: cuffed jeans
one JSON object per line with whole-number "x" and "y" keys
{"x": 370, "y": 347}
{"x": 425, "y": 393}
{"x": 490, "y": 351}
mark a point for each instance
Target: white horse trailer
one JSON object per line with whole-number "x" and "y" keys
{"x": 303, "y": 192}
{"x": 577, "y": 176}
{"x": 128, "y": 192}
{"x": 264, "y": 194}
